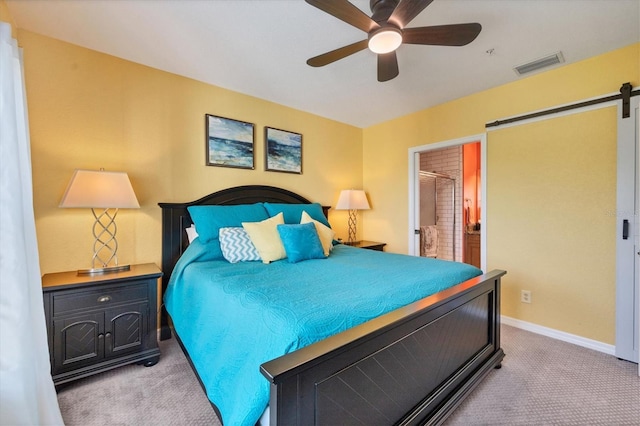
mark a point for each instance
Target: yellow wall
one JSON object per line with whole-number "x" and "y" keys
{"x": 5, "y": 16}
{"x": 552, "y": 188}
{"x": 91, "y": 110}
{"x": 385, "y": 173}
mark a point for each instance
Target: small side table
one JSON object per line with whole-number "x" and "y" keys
{"x": 99, "y": 322}
{"x": 370, "y": 245}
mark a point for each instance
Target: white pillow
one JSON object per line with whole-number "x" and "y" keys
{"x": 236, "y": 245}
{"x": 191, "y": 233}
{"x": 325, "y": 233}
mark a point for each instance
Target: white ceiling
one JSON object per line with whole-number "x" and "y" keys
{"x": 260, "y": 47}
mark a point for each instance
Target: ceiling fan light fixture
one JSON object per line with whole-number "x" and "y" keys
{"x": 385, "y": 40}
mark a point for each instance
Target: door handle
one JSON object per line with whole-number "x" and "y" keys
{"x": 625, "y": 229}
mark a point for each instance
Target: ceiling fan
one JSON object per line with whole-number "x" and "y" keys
{"x": 386, "y": 29}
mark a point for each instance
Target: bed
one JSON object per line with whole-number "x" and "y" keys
{"x": 414, "y": 364}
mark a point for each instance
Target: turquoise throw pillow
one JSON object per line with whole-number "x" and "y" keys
{"x": 209, "y": 219}
{"x": 301, "y": 242}
{"x": 293, "y": 212}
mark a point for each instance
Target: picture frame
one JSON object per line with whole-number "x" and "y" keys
{"x": 229, "y": 142}
{"x": 283, "y": 151}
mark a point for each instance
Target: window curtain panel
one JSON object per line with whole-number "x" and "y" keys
{"x": 27, "y": 394}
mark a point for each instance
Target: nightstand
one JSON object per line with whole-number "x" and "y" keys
{"x": 99, "y": 322}
{"x": 371, "y": 245}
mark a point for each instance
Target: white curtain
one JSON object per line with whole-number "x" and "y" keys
{"x": 27, "y": 394}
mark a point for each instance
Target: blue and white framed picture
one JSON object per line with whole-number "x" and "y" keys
{"x": 283, "y": 151}
{"x": 230, "y": 143}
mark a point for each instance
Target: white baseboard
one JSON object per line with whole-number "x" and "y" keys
{"x": 560, "y": 335}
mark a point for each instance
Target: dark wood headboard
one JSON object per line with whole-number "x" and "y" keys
{"x": 176, "y": 218}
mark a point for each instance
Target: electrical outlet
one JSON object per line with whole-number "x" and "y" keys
{"x": 525, "y": 296}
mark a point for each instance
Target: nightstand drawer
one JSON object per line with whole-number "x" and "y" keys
{"x": 69, "y": 301}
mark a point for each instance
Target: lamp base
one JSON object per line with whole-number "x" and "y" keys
{"x": 106, "y": 270}
{"x": 352, "y": 226}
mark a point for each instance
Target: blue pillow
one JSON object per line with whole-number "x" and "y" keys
{"x": 301, "y": 242}
{"x": 209, "y": 219}
{"x": 293, "y": 212}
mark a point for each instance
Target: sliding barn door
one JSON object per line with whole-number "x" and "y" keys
{"x": 627, "y": 244}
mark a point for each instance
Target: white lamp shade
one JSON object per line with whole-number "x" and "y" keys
{"x": 99, "y": 189}
{"x": 352, "y": 199}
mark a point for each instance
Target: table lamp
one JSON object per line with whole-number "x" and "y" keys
{"x": 101, "y": 191}
{"x": 352, "y": 200}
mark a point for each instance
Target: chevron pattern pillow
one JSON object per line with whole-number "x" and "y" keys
{"x": 237, "y": 246}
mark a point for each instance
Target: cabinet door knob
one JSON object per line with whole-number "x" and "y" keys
{"x": 103, "y": 299}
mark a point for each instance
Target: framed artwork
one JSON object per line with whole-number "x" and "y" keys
{"x": 229, "y": 143}
{"x": 283, "y": 151}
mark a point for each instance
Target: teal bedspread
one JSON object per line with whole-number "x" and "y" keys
{"x": 233, "y": 317}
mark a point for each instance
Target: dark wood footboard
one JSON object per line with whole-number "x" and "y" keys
{"x": 411, "y": 366}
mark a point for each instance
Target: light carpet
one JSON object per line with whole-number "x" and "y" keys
{"x": 166, "y": 394}
{"x": 542, "y": 381}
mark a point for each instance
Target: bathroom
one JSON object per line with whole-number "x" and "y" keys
{"x": 450, "y": 200}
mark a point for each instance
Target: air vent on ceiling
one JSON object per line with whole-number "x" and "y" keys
{"x": 547, "y": 61}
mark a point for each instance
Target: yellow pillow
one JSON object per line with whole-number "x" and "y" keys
{"x": 264, "y": 235}
{"x": 325, "y": 233}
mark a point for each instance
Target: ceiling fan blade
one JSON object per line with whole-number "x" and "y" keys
{"x": 346, "y": 12}
{"x": 406, "y": 11}
{"x": 387, "y": 66}
{"x": 334, "y": 55}
{"x": 442, "y": 35}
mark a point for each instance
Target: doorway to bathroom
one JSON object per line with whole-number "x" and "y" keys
{"x": 445, "y": 203}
